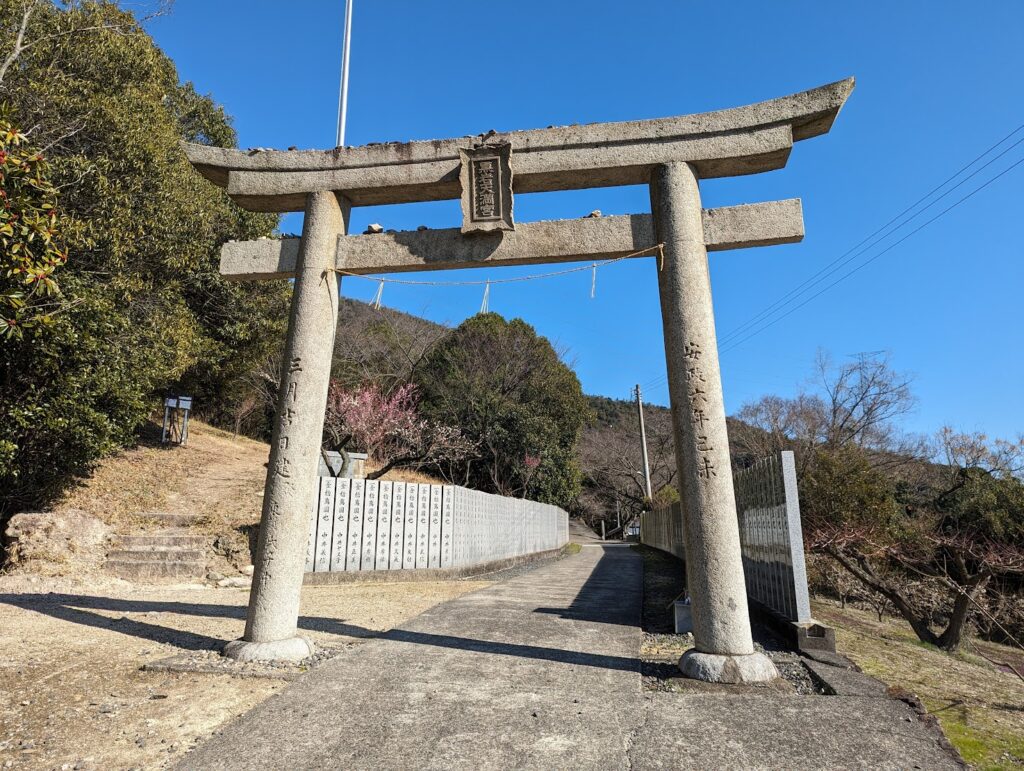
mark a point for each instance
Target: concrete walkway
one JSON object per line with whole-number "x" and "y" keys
{"x": 580, "y": 533}
{"x": 541, "y": 671}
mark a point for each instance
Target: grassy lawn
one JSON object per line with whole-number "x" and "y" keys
{"x": 980, "y": 706}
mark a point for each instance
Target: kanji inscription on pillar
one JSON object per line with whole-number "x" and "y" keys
{"x": 699, "y": 407}
{"x": 434, "y": 547}
{"x": 339, "y": 543}
{"x": 409, "y": 553}
{"x": 369, "y": 550}
{"x": 384, "y": 525}
{"x": 423, "y": 527}
{"x": 486, "y": 177}
{"x": 355, "y": 524}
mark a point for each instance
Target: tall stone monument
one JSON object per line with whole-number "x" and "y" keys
{"x": 671, "y": 155}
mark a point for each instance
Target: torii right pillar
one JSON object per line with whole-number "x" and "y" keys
{"x": 724, "y": 649}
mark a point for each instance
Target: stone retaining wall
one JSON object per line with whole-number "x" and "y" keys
{"x": 361, "y": 525}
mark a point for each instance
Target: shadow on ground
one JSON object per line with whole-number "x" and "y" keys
{"x": 596, "y": 599}
{"x": 81, "y": 609}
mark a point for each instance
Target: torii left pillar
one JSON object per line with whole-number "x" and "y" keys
{"x": 271, "y": 629}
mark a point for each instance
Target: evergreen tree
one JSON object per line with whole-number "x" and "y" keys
{"x": 507, "y": 389}
{"x": 141, "y": 305}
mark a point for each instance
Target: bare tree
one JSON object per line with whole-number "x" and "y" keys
{"x": 964, "y": 529}
{"x": 854, "y": 404}
{"x": 380, "y": 346}
{"x": 612, "y": 462}
{"x": 894, "y": 511}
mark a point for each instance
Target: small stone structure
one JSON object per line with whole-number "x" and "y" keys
{"x": 332, "y": 464}
{"x": 55, "y": 542}
{"x": 671, "y": 155}
{"x": 360, "y": 525}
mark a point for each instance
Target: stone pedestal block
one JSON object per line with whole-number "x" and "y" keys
{"x": 736, "y": 670}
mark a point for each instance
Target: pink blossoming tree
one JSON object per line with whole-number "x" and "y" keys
{"x": 388, "y": 427}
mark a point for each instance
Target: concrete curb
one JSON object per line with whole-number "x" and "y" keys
{"x": 426, "y": 574}
{"x": 846, "y": 681}
{"x": 849, "y": 681}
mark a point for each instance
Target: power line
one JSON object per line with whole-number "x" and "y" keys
{"x": 840, "y": 260}
{"x": 656, "y": 382}
{"x": 811, "y": 280}
{"x": 837, "y": 263}
{"x": 875, "y": 257}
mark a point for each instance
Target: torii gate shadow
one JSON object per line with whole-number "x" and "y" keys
{"x": 600, "y": 599}
{"x": 76, "y": 609}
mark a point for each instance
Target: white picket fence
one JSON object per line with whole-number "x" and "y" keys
{"x": 361, "y": 524}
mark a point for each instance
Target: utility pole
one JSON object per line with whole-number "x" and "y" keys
{"x": 343, "y": 89}
{"x": 643, "y": 443}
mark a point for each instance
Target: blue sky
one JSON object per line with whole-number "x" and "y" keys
{"x": 938, "y": 83}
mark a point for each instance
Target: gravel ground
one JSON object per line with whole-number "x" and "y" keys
{"x": 213, "y": 663}
{"x": 73, "y": 692}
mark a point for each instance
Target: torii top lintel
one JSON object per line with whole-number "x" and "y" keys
{"x": 741, "y": 140}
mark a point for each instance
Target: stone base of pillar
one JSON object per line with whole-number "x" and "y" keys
{"x": 716, "y": 668}
{"x": 291, "y": 649}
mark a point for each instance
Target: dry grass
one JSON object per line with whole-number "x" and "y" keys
{"x": 217, "y": 476}
{"x": 404, "y": 475}
{"x": 71, "y": 691}
{"x": 980, "y": 706}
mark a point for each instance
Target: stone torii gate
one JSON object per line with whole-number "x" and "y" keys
{"x": 669, "y": 154}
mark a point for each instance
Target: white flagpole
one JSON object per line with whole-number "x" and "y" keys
{"x": 343, "y": 93}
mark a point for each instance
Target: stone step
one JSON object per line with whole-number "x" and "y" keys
{"x": 155, "y": 554}
{"x": 168, "y": 519}
{"x": 181, "y": 538}
{"x": 143, "y": 571}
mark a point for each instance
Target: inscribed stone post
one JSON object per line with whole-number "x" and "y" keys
{"x": 714, "y": 567}
{"x": 272, "y": 624}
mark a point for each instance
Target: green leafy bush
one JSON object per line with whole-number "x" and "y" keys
{"x": 29, "y": 235}
{"x": 507, "y": 389}
{"x": 139, "y": 307}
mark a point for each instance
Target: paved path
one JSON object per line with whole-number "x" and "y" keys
{"x": 580, "y": 533}
{"x": 541, "y": 672}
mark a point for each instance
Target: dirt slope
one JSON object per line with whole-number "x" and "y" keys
{"x": 217, "y": 479}
{"x": 216, "y": 476}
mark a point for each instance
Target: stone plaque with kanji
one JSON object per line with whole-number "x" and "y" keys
{"x": 486, "y": 177}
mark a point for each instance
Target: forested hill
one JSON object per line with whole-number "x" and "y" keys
{"x": 612, "y": 461}
{"x": 389, "y": 347}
